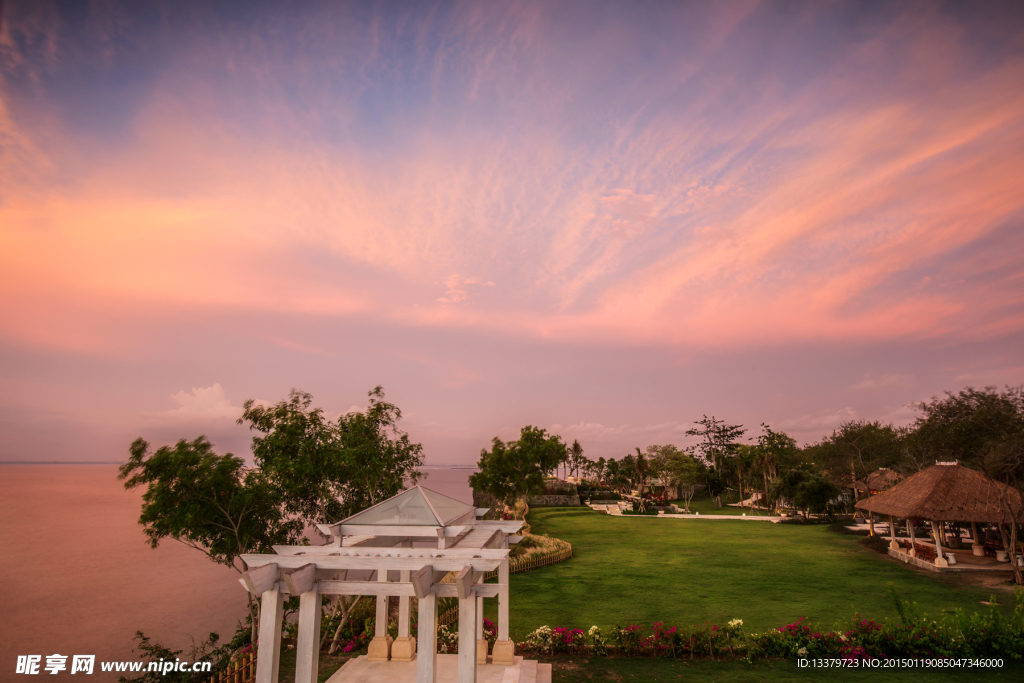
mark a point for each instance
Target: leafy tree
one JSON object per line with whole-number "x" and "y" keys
{"x": 328, "y": 471}
{"x": 577, "y": 461}
{"x": 714, "y": 483}
{"x": 684, "y": 471}
{"x": 514, "y": 470}
{"x": 775, "y": 450}
{"x": 207, "y": 501}
{"x": 808, "y": 491}
{"x": 858, "y": 448}
{"x": 718, "y": 438}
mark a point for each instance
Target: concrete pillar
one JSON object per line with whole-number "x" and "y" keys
{"x": 910, "y": 526}
{"x": 307, "y": 646}
{"x": 893, "y": 545}
{"x": 467, "y": 640}
{"x": 426, "y": 660}
{"x": 380, "y": 647}
{"x": 974, "y": 533}
{"x": 268, "y": 655}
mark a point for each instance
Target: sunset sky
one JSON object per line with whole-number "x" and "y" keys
{"x": 605, "y": 219}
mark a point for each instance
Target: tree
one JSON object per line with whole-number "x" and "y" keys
{"x": 209, "y": 502}
{"x": 858, "y": 448}
{"x": 808, "y": 491}
{"x": 774, "y": 451}
{"x": 684, "y": 471}
{"x": 328, "y": 471}
{"x": 577, "y": 461}
{"x": 515, "y": 470}
{"x": 981, "y": 429}
{"x": 718, "y": 437}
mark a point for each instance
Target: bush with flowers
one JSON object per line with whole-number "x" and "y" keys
{"x": 913, "y": 634}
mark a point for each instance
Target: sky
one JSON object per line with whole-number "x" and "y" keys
{"x": 606, "y": 219}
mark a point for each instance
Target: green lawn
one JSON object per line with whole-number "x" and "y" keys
{"x": 641, "y": 570}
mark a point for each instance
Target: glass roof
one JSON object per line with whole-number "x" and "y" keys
{"x": 411, "y": 508}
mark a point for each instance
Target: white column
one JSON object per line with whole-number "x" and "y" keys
{"x": 503, "y": 600}
{"x": 307, "y": 647}
{"x": 467, "y": 639}
{"x": 504, "y": 649}
{"x": 379, "y": 649}
{"x": 939, "y": 560}
{"x": 381, "y": 620}
{"x": 892, "y": 534}
{"x": 913, "y": 541}
{"x": 426, "y": 634}
{"x": 268, "y": 655}
{"x": 404, "y": 647}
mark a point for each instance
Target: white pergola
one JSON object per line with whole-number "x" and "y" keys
{"x": 378, "y": 545}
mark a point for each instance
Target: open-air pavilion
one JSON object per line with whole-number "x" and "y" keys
{"x": 949, "y": 492}
{"x": 403, "y": 547}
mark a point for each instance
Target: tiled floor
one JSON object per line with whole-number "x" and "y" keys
{"x": 360, "y": 670}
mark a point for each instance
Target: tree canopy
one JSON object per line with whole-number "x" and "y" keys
{"x": 514, "y": 470}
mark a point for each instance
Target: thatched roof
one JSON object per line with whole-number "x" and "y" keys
{"x": 882, "y": 479}
{"x": 950, "y": 493}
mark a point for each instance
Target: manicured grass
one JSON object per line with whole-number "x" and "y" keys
{"x": 628, "y": 570}
{"x": 576, "y": 670}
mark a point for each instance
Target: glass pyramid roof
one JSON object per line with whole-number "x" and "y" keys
{"x": 413, "y": 507}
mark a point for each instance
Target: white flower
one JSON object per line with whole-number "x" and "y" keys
{"x": 802, "y": 652}
{"x": 735, "y": 622}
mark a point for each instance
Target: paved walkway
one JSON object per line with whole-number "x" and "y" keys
{"x": 615, "y": 511}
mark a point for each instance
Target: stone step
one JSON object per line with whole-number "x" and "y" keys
{"x": 543, "y": 673}
{"x": 528, "y": 671}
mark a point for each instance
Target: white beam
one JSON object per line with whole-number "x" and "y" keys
{"x": 446, "y": 564}
{"x": 464, "y": 582}
{"x": 441, "y": 590}
{"x": 300, "y": 580}
{"x": 260, "y": 577}
{"x": 369, "y": 551}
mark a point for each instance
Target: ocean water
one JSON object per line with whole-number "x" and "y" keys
{"x": 80, "y": 577}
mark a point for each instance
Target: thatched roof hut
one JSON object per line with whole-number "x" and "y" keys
{"x": 950, "y": 492}
{"x": 881, "y": 479}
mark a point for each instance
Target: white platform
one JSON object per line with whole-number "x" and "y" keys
{"x": 360, "y": 670}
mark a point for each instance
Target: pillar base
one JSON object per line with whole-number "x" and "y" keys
{"x": 941, "y": 562}
{"x": 379, "y": 649}
{"x": 503, "y": 652}
{"x": 403, "y": 649}
{"x": 894, "y": 545}
{"x": 481, "y": 651}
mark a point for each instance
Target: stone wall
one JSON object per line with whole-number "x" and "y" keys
{"x": 555, "y": 501}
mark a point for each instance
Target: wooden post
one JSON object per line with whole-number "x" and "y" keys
{"x": 307, "y": 647}
{"x": 481, "y": 642}
{"x": 893, "y": 545}
{"x": 871, "y": 523}
{"x": 268, "y": 658}
{"x": 910, "y": 527}
{"x": 467, "y": 639}
{"x": 974, "y": 534}
{"x": 426, "y": 658}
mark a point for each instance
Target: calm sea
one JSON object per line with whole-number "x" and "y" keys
{"x": 80, "y": 577}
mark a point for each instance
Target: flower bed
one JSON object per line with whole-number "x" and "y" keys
{"x": 912, "y": 636}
